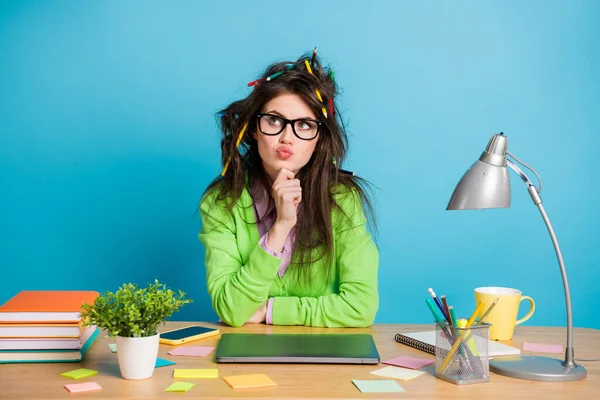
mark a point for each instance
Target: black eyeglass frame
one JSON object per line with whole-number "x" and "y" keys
{"x": 292, "y": 122}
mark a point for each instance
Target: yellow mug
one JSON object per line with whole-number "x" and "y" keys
{"x": 503, "y": 316}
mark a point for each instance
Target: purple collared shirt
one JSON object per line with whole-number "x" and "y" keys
{"x": 265, "y": 217}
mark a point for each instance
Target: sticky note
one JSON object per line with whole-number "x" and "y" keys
{"x": 249, "y": 381}
{"x": 79, "y": 373}
{"x": 82, "y": 387}
{"x": 543, "y": 348}
{"x": 196, "y": 373}
{"x": 180, "y": 387}
{"x": 409, "y": 362}
{"x": 193, "y": 351}
{"x": 161, "y": 362}
{"x": 113, "y": 347}
{"x": 379, "y": 386}
{"x": 397, "y": 373}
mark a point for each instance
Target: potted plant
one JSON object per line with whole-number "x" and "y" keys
{"x": 132, "y": 315}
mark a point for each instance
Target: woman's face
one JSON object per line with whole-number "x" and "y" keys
{"x": 285, "y": 150}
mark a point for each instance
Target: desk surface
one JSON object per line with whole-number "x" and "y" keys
{"x": 42, "y": 381}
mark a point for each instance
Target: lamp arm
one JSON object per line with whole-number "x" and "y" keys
{"x": 537, "y": 200}
{"x": 529, "y": 168}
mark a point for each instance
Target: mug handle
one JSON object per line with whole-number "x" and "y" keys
{"x": 531, "y": 310}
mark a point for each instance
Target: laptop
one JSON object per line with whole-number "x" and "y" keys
{"x": 297, "y": 348}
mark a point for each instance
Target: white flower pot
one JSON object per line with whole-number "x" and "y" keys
{"x": 137, "y": 356}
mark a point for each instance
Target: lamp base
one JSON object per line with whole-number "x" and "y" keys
{"x": 534, "y": 368}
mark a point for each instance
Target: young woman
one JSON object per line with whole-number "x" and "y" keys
{"x": 285, "y": 230}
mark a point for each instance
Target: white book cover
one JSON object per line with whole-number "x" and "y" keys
{"x": 48, "y": 343}
{"x": 495, "y": 349}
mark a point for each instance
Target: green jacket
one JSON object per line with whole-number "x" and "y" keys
{"x": 241, "y": 275}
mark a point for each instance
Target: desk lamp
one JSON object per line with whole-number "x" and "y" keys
{"x": 487, "y": 185}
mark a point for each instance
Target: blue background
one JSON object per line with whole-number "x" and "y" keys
{"x": 108, "y": 138}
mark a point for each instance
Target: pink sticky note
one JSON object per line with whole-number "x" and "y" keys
{"x": 542, "y": 348}
{"x": 82, "y": 387}
{"x": 193, "y": 351}
{"x": 409, "y": 362}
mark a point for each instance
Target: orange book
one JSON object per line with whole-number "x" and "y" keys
{"x": 43, "y": 306}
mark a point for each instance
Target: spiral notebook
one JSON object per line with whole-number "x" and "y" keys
{"x": 425, "y": 341}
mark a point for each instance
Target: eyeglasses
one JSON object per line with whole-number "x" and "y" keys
{"x": 272, "y": 125}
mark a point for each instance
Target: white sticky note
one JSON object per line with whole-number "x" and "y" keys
{"x": 397, "y": 373}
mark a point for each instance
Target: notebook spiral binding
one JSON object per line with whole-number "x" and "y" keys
{"x": 417, "y": 344}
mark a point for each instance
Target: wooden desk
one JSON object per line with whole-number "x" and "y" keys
{"x": 42, "y": 381}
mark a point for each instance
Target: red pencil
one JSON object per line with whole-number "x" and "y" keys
{"x": 331, "y": 105}
{"x": 255, "y": 82}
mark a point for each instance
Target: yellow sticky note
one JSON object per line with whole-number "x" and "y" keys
{"x": 79, "y": 373}
{"x": 249, "y": 381}
{"x": 196, "y": 373}
{"x": 470, "y": 343}
{"x": 180, "y": 387}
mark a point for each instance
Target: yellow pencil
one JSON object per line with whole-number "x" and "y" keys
{"x": 463, "y": 334}
{"x": 324, "y": 111}
{"x": 237, "y": 143}
{"x": 308, "y": 68}
{"x": 319, "y": 95}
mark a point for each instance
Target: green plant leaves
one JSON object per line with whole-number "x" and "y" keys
{"x": 132, "y": 311}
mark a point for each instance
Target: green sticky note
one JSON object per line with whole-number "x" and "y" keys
{"x": 180, "y": 387}
{"x": 113, "y": 347}
{"x": 161, "y": 362}
{"x": 79, "y": 373}
{"x": 380, "y": 386}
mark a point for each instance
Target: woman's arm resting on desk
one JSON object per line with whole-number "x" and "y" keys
{"x": 237, "y": 290}
{"x": 357, "y": 259}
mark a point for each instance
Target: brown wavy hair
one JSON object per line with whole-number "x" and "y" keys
{"x": 320, "y": 178}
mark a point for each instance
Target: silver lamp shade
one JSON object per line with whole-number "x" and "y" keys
{"x": 486, "y": 184}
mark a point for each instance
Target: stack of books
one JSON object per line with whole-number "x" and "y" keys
{"x": 45, "y": 326}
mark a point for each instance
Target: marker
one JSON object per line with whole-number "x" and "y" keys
{"x": 314, "y": 56}
{"x": 452, "y": 316}
{"x": 275, "y": 75}
{"x": 319, "y": 95}
{"x": 439, "y": 303}
{"x": 434, "y": 311}
{"x": 308, "y": 68}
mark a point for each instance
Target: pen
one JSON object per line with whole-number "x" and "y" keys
{"x": 439, "y": 304}
{"x": 452, "y": 315}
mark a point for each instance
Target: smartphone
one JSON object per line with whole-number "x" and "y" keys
{"x": 187, "y": 334}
